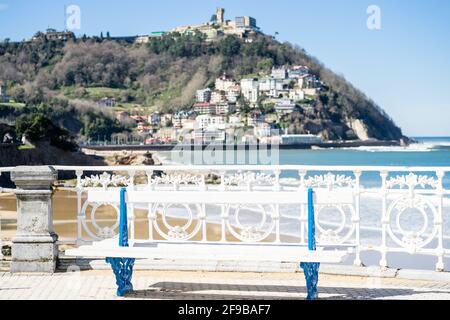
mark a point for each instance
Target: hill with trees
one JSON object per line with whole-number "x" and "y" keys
{"x": 64, "y": 80}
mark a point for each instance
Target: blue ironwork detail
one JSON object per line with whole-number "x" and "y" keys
{"x": 123, "y": 267}
{"x": 123, "y": 270}
{"x": 311, "y": 269}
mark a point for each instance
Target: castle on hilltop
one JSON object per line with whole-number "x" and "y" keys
{"x": 244, "y": 27}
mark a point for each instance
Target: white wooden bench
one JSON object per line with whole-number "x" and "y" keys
{"x": 121, "y": 253}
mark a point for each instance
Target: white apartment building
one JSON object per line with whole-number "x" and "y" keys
{"x": 207, "y": 122}
{"x": 297, "y": 95}
{"x": 218, "y": 97}
{"x": 224, "y": 83}
{"x": 203, "y": 95}
{"x": 233, "y": 93}
{"x": 225, "y": 108}
{"x": 249, "y": 84}
{"x": 250, "y": 89}
{"x": 209, "y": 136}
{"x": 204, "y": 108}
{"x": 268, "y": 84}
{"x": 235, "y": 120}
{"x": 280, "y": 73}
{"x": 284, "y": 106}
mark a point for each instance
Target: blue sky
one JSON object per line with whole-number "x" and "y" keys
{"x": 404, "y": 67}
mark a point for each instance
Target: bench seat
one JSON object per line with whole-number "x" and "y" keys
{"x": 215, "y": 251}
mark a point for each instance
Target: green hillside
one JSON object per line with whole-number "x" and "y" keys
{"x": 64, "y": 80}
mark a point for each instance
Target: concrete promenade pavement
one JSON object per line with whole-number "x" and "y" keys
{"x": 174, "y": 285}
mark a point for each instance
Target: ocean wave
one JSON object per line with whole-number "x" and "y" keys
{"x": 416, "y": 147}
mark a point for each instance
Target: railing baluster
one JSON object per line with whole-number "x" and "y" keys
{"x": 203, "y": 214}
{"x": 440, "y": 223}
{"x": 224, "y": 219}
{"x": 223, "y": 214}
{"x": 150, "y": 206}
{"x": 384, "y": 220}
{"x": 357, "y": 219}
{"x": 277, "y": 223}
{"x": 132, "y": 216}
{"x": 79, "y": 190}
{"x": 303, "y": 217}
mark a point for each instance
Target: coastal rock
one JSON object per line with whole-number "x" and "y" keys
{"x": 359, "y": 129}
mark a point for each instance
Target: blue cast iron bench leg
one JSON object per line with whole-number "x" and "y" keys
{"x": 311, "y": 269}
{"x": 123, "y": 267}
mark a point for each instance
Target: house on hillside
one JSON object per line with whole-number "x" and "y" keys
{"x": 225, "y": 108}
{"x": 218, "y": 97}
{"x": 207, "y": 122}
{"x": 107, "y": 102}
{"x": 254, "y": 118}
{"x": 280, "y": 73}
{"x": 285, "y": 106}
{"x": 204, "y": 108}
{"x": 297, "y": 72}
{"x": 154, "y": 119}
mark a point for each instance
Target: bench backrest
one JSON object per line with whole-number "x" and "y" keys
{"x": 157, "y": 203}
{"x": 321, "y": 197}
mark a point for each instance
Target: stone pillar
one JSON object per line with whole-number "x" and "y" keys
{"x": 34, "y": 247}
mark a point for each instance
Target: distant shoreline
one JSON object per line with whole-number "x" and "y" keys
{"x": 305, "y": 146}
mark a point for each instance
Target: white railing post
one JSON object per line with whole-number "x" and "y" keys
{"x": 131, "y": 216}
{"x": 384, "y": 220}
{"x": 79, "y": 190}
{"x": 440, "y": 223}
{"x": 224, "y": 218}
{"x": 223, "y": 209}
{"x": 203, "y": 214}
{"x": 357, "y": 219}
{"x": 150, "y": 205}
{"x": 303, "y": 216}
{"x": 277, "y": 214}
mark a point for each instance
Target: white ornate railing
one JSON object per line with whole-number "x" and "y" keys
{"x": 394, "y": 209}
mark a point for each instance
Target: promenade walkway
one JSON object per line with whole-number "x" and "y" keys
{"x": 89, "y": 285}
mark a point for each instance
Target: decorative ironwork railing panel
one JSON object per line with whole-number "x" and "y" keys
{"x": 400, "y": 210}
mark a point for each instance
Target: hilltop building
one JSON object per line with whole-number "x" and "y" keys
{"x": 220, "y": 16}
{"x": 53, "y": 35}
{"x": 243, "y": 27}
{"x": 146, "y": 38}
